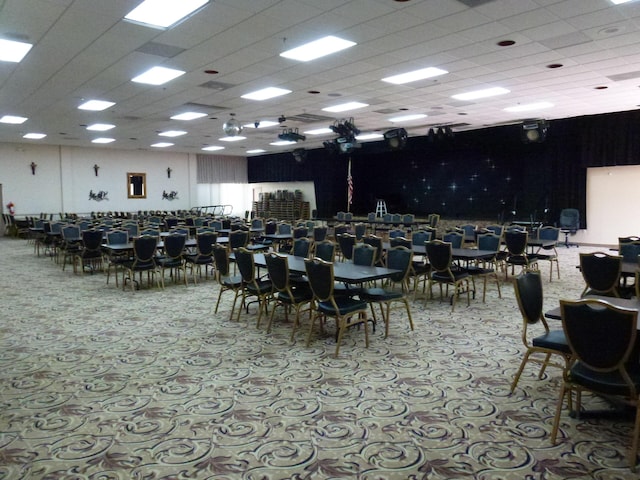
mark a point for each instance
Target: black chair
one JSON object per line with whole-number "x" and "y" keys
{"x": 70, "y": 243}
{"x": 549, "y": 252}
{"x": 487, "y": 267}
{"x": 286, "y": 294}
{"x": 346, "y": 241}
{"x": 440, "y": 258}
{"x": 203, "y": 256}
{"x": 456, "y": 239}
{"x": 252, "y": 285}
{"x": 326, "y": 250}
{"x": 516, "y": 242}
{"x": 604, "y": 358}
{"x": 601, "y": 273}
{"x": 144, "y": 252}
{"x": 114, "y": 258}
{"x": 398, "y": 258}
{"x": 569, "y": 224}
{"x": 528, "y": 288}
{"x": 319, "y": 233}
{"x": 237, "y": 239}
{"x": 346, "y": 310}
{"x": 223, "y": 276}
{"x": 376, "y": 241}
{"x": 173, "y": 258}
{"x": 90, "y": 254}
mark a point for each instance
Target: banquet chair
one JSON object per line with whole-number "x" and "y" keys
{"x": 601, "y": 273}
{"x": 203, "y": 257}
{"x": 286, "y": 294}
{"x": 376, "y": 241}
{"x": 487, "y": 267}
{"x": 319, "y": 233}
{"x": 469, "y": 234}
{"x": 549, "y": 253}
{"x": 222, "y": 272}
{"x": 516, "y": 243}
{"x": 326, "y": 250}
{"x": 528, "y": 290}
{"x": 440, "y": 258}
{"x": 419, "y": 269}
{"x": 173, "y": 258}
{"x": 456, "y": 239}
{"x": 144, "y": 252}
{"x": 359, "y": 230}
{"x": 69, "y": 244}
{"x": 302, "y": 247}
{"x": 602, "y": 338}
{"x": 629, "y": 250}
{"x": 346, "y": 241}
{"x": 398, "y": 258}
{"x": 237, "y": 239}
{"x": 346, "y": 310}
{"x": 569, "y": 224}
{"x": 252, "y": 285}
{"x": 113, "y": 258}
{"x": 90, "y": 252}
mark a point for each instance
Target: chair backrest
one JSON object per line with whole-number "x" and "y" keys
{"x": 399, "y": 258}
{"x": 569, "y": 219}
{"x": 488, "y": 241}
{"x": 300, "y": 232}
{"x": 396, "y": 232}
{"x": 375, "y": 241}
{"x": 284, "y": 229}
{"x": 549, "y": 233}
{"x": 238, "y": 238}
{"x": 217, "y": 224}
{"x": 170, "y": 222}
{"x": 630, "y": 239}
{"x": 301, "y": 247}
{"x": 257, "y": 223}
{"x": 246, "y": 264}
{"x": 346, "y": 242}
{"x": 528, "y": 288}
{"x": 340, "y": 216}
{"x": 601, "y": 336}
{"x": 321, "y": 279}
{"x": 221, "y": 259}
{"x": 144, "y": 248}
{"x": 371, "y": 217}
{"x": 339, "y": 230}
{"x": 468, "y": 230}
{"x": 496, "y": 229}
{"x": 278, "y": 269}
{"x": 408, "y": 219}
{"x": 150, "y": 232}
{"x": 516, "y": 241}
{"x": 439, "y": 255}
{"x": 70, "y": 233}
{"x": 454, "y": 238}
{"x": 174, "y": 245}
{"x": 601, "y": 272}
{"x": 117, "y": 237}
{"x": 132, "y": 228}
{"x": 205, "y": 242}
{"x": 364, "y": 254}
{"x": 84, "y": 225}
{"x": 326, "y": 250}
{"x": 400, "y": 242}
{"x": 630, "y": 251}
{"x": 360, "y": 229}
{"x": 433, "y": 220}
{"x": 92, "y": 240}
{"x": 419, "y": 237}
{"x": 319, "y": 233}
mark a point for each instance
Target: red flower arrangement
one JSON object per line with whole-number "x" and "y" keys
{"x": 11, "y": 207}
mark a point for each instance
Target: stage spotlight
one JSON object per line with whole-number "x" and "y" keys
{"x": 396, "y": 138}
{"x": 431, "y": 136}
{"x": 534, "y": 131}
{"x": 300, "y": 155}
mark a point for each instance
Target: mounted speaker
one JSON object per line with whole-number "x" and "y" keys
{"x": 534, "y": 131}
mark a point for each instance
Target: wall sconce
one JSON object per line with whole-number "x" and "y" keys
{"x": 33, "y": 168}
{"x": 96, "y": 168}
{"x": 169, "y": 172}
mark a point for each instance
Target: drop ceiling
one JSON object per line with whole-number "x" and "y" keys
{"x": 83, "y": 49}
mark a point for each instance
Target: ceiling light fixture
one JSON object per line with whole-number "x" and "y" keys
{"x": 407, "y": 118}
{"x": 172, "y": 133}
{"x": 34, "y": 136}
{"x": 235, "y": 138}
{"x": 343, "y": 107}
{"x": 103, "y": 140}
{"x": 318, "y": 48}
{"x": 157, "y": 76}
{"x": 163, "y": 13}
{"x": 162, "y": 145}
{"x": 100, "y": 127}
{"x": 266, "y": 93}
{"x": 188, "y": 116}
{"x": 12, "y": 51}
{"x": 212, "y": 148}
{"x": 415, "y": 75}
{"x": 528, "y": 107}
{"x": 13, "y": 119}
{"x": 95, "y": 105}
{"x": 484, "y": 93}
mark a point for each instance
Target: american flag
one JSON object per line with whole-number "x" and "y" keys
{"x": 349, "y": 186}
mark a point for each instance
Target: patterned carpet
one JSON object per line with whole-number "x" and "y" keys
{"x": 97, "y": 383}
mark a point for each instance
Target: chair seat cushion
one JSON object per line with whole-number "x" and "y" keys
{"x": 379, "y": 295}
{"x": 300, "y": 294}
{"x": 199, "y": 259}
{"x": 233, "y": 281}
{"x": 345, "y": 305}
{"x": 604, "y": 382}
{"x": 261, "y": 287}
{"x": 473, "y": 270}
{"x": 555, "y": 340}
{"x": 443, "y": 277}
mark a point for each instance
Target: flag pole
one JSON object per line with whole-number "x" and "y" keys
{"x": 349, "y": 187}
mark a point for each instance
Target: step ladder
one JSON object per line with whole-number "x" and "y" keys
{"x": 381, "y": 208}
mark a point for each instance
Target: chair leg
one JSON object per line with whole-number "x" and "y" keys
{"x": 524, "y": 361}
{"x": 556, "y": 419}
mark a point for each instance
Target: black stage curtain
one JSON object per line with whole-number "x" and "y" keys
{"x": 486, "y": 174}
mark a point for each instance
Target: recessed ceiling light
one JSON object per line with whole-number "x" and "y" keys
{"x": 162, "y": 144}
{"x": 157, "y": 76}
{"x": 529, "y": 106}
{"x": 261, "y": 124}
{"x": 620, "y": 2}
{"x": 212, "y": 148}
{"x": 100, "y": 127}
{"x": 506, "y": 43}
{"x": 34, "y": 136}
{"x": 12, "y": 51}
{"x": 172, "y": 133}
{"x": 282, "y": 142}
{"x": 407, "y": 118}
{"x": 318, "y": 48}
{"x": 96, "y": 105}
{"x": 13, "y": 119}
{"x": 345, "y": 106}
{"x": 318, "y": 131}
{"x": 369, "y": 136}
{"x": 163, "y": 13}
{"x": 486, "y": 92}
{"x": 188, "y": 116}
{"x": 415, "y": 75}
{"x": 266, "y": 93}
{"x": 103, "y": 140}
{"x": 235, "y": 138}
{"x": 256, "y": 150}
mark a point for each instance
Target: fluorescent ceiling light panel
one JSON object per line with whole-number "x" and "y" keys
{"x": 232, "y": 139}
{"x": 282, "y": 142}
{"x": 95, "y": 105}
{"x": 162, "y": 145}
{"x": 12, "y": 51}
{"x": 318, "y": 48}
{"x": 487, "y": 92}
{"x": 256, "y": 150}
{"x": 529, "y": 106}
{"x": 319, "y": 131}
{"x": 369, "y": 136}
{"x": 261, "y": 124}
{"x": 163, "y": 13}
{"x": 101, "y": 127}
{"x": 345, "y": 106}
{"x": 421, "y": 74}
{"x": 188, "y": 116}
{"x": 103, "y": 140}
{"x": 620, "y": 2}
{"x": 172, "y": 133}
{"x": 13, "y": 119}
{"x": 34, "y": 136}
{"x": 157, "y": 76}
{"x": 213, "y": 148}
{"x": 266, "y": 93}
{"x": 407, "y": 118}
